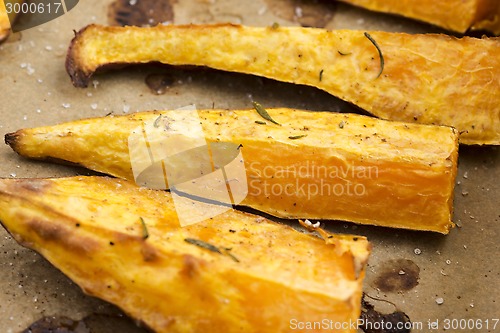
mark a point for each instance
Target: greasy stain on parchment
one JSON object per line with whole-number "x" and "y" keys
{"x": 397, "y": 275}
{"x": 93, "y": 323}
{"x": 308, "y": 13}
{"x": 159, "y": 83}
{"x": 373, "y": 321}
{"x": 141, "y": 12}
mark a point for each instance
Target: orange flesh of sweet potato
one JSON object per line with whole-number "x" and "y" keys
{"x": 316, "y": 165}
{"x": 6, "y": 18}
{"x": 89, "y": 228}
{"x": 430, "y": 79}
{"x": 4, "y": 22}
{"x": 455, "y": 15}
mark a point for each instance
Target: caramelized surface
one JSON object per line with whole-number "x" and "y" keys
{"x": 430, "y": 79}
{"x": 316, "y": 165}
{"x": 456, "y": 15}
{"x": 89, "y": 228}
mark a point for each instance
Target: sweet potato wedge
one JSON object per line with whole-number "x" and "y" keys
{"x": 316, "y": 165}
{"x": 4, "y": 22}
{"x": 6, "y": 19}
{"x": 234, "y": 273}
{"x": 430, "y": 79}
{"x": 455, "y": 15}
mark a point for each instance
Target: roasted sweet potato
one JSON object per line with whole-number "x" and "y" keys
{"x": 316, "y": 165}
{"x": 455, "y": 15}
{"x": 430, "y": 79}
{"x": 6, "y": 19}
{"x": 4, "y": 22}
{"x": 235, "y": 272}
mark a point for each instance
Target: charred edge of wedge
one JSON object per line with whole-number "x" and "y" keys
{"x": 79, "y": 77}
{"x": 12, "y": 140}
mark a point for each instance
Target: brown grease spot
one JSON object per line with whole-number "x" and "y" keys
{"x": 93, "y": 323}
{"x": 140, "y": 12}
{"x": 57, "y": 324}
{"x": 397, "y": 275}
{"x": 308, "y": 13}
{"x": 159, "y": 83}
{"x": 373, "y": 321}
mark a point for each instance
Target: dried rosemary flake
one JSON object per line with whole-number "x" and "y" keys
{"x": 295, "y": 137}
{"x": 232, "y": 256}
{"x": 344, "y": 53}
{"x": 263, "y": 113}
{"x": 145, "y": 232}
{"x": 275, "y": 26}
{"x": 203, "y": 245}
{"x": 156, "y": 124}
{"x": 260, "y": 122}
{"x": 370, "y": 38}
{"x": 320, "y": 75}
{"x": 341, "y": 124}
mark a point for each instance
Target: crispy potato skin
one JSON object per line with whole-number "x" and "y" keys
{"x": 89, "y": 228}
{"x": 347, "y": 167}
{"x": 429, "y": 79}
{"x": 455, "y": 15}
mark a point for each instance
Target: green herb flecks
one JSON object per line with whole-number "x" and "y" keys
{"x": 370, "y": 38}
{"x": 341, "y": 124}
{"x": 260, "y": 122}
{"x": 203, "y": 245}
{"x": 156, "y": 124}
{"x": 145, "y": 232}
{"x": 263, "y": 113}
{"x": 344, "y": 53}
{"x": 275, "y": 26}
{"x": 212, "y": 248}
{"x": 232, "y": 256}
{"x": 321, "y": 75}
{"x": 295, "y": 137}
